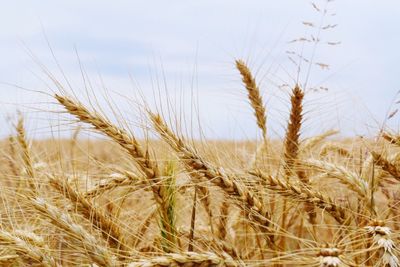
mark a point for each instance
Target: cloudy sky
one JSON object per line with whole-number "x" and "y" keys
{"x": 187, "y": 48}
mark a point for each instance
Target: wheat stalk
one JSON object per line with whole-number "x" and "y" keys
{"x": 168, "y": 223}
{"x": 139, "y": 236}
{"x": 223, "y": 220}
{"x": 291, "y": 151}
{"x": 205, "y": 199}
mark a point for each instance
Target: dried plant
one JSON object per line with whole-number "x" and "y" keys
{"x": 163, "y": 199}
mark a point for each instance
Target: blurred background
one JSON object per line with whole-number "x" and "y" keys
{"x": 123, "y": 51}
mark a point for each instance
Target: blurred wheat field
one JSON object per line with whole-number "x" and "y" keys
{"x": 173, "y": 201}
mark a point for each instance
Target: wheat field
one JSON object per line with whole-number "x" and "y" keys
{"x": 169, "y": 200}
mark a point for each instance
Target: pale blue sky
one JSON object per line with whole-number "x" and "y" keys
{"x": 198, "y": 41}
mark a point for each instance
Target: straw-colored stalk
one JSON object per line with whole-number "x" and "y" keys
{"x": 193, "y": 222}
{"x": 140, "y": 233}
{"x": 223, "y": 220}
{"x": 291, "y": 150}
{"x": 168, "y": 223}
{"x": 205, "y": 200}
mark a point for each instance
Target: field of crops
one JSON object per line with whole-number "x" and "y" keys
{"x": 168, "y": 200}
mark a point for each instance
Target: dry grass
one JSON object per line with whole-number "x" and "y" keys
{"x": 177, "y": 202}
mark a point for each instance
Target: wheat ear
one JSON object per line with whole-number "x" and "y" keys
{"x": 188, "y": 259}
{"x": 254, "y": 96}
{"x": 310, "y": 143}
{"x": 386, "y": 165}
{"x": 129, "y": 143}
{"x": 11, "y": 157}
{"x": 126, "y": 140}
{"x": 26, "y": 154}
{"x": 99, "y": 254}
{"x": 332, "y": 147}
{"x": 108, "y": 226}
{"x": 198, "y": 168}
{"x": 391, "y": 138}
{"x": 116, "y": 180}
{"x": 306, "y": 194}
{"x": 291, "y": 143}
{"x": 257, "y": 103}
{"x": 330, "y": 257}
{"x": 26, "y": 249}
{"x": 381, "y": 236}
{"x": 352, "y": 180}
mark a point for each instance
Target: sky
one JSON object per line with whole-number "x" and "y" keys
{"x": 183, "y": 53}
